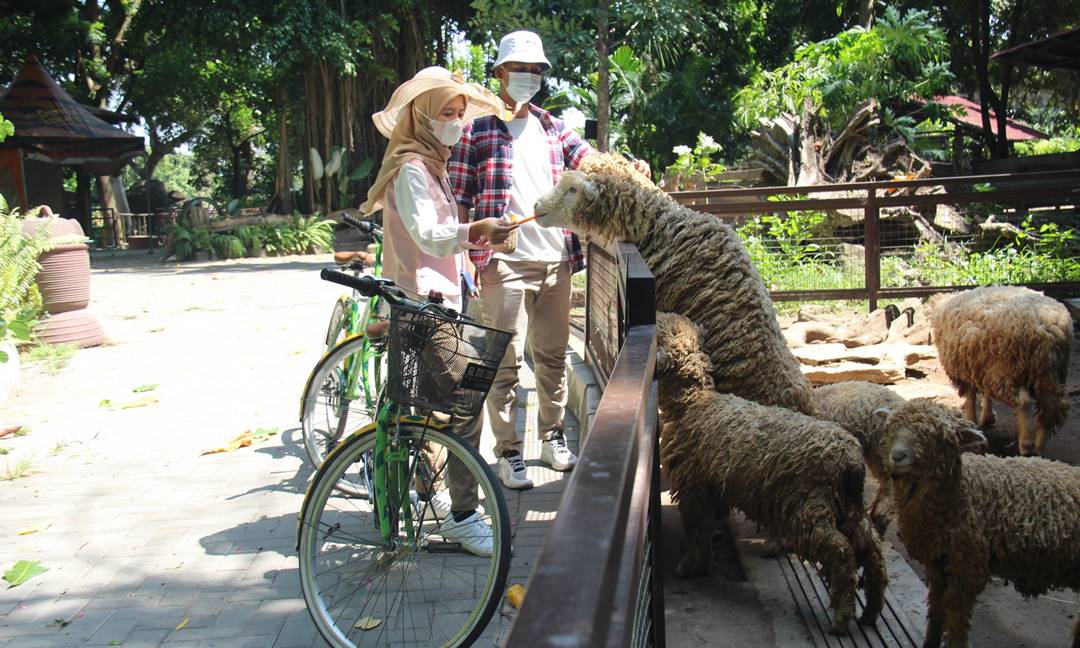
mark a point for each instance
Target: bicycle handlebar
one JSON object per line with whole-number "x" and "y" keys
{"x": 370, "y": 286}
{"x": 364, "y": 226}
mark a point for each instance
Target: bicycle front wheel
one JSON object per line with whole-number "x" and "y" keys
{"x": 340, "y": 396}
{"x": 416, "y": 588}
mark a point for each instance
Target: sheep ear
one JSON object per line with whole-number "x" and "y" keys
{"x": 968, "y": 439}
{"x": 880, "y": 415}
{"x": 590, "y": 190}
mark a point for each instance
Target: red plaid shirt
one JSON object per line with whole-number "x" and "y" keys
{"x": 480, "y": 171}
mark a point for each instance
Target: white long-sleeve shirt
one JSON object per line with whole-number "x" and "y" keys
{"x": 423, "y": 240}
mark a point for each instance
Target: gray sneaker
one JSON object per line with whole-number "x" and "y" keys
{"x": 511, "y": 471}
{"x": 554, "y": 453}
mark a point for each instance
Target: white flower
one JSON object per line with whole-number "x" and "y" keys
{"x": 706, "y": 141}
{"x": 681, "y": 150}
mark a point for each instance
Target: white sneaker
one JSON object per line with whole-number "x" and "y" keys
{"x": 472, "y": 533}
{"x": 440, "y": 504}
{"x": 554, "y": 453}
{"x": 512, "y": 472}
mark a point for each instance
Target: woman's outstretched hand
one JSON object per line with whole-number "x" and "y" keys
{"x": 490, "y": 231}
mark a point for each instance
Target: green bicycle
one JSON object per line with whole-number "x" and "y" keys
{"x": 342, "y": 390}
{"x": 391, "y": 567}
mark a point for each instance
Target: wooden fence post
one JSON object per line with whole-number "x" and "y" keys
{"x": 872, "y": 246}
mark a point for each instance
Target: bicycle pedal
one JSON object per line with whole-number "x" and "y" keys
{"x": 442, "y": 546}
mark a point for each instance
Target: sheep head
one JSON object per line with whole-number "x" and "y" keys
{"x": 923, "y": 437}
{"x": 569, "y": 203}
{"x": 682, "y": 366}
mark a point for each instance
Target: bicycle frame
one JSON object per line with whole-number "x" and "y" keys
{"x": 392, "y": 474}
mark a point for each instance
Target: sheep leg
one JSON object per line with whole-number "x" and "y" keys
{"x": 831, "y": 548}
{"x": 883, "y": 508}
{"x": 986, "y": 413}
{"x": 935, "y": 613}
{"x": 868, "y": 556}
{"x": 968, "y": 392}
{"x": 1076, "y": 633}
{"x": 959, "y": 599}
{"x": 1025, "y": 438}
{"x": 698, "y": 519}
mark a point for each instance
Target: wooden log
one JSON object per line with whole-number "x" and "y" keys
{"x": 239, "y": 221}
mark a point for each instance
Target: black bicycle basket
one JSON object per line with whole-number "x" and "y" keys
{"x": 439, "y": 363}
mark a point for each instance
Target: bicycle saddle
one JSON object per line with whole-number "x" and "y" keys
{"x": 346, "y": 257}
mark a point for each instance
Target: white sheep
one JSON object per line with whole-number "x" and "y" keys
{"x": 702, "y": 271}
{"x": 1011, "y": 344}
{"x": 851, "y": 405}
{"x": 800, "y": 478}
{"x": 966, "y": 517}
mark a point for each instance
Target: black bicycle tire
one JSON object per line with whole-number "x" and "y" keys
{"x": 344, "y": 455}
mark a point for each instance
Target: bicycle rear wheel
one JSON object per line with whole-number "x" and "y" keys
{"x": 418, "y": 590}
{"x": 341, "y": 396}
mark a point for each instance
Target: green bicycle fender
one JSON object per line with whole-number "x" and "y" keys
{"x": 318, "y": 365}
{"x": 370, "y": 427}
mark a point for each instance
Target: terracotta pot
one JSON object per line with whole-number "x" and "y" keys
{"x": 78, "y": 327}
{"x": 64, "y": 279}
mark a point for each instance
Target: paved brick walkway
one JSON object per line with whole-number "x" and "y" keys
{"x": 148, "y": 543}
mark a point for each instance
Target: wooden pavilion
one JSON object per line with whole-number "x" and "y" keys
{"x": 53, "y": 130}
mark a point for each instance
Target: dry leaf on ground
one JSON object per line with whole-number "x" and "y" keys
{"x": 34, "y": 529}
{"x": 183, "y": 623}
{"x": 244, "y": 440}
{"x": 367, "y": 623}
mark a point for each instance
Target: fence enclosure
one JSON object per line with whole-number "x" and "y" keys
{"x": 597, "y": 582}
{"x": 879, "y": 257}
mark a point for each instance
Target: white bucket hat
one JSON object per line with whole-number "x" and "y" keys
{"x": 481, "y": 100}
{"x": 521, "y": 47}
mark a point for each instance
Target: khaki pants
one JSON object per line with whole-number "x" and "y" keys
{"x": 533, "y": 300}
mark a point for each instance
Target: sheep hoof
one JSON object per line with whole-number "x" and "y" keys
{"x": 868, "y": 618}
{"x": 688, "y": 568}
{"x": 880, "y": 523}
{"x": 840, "y": 622}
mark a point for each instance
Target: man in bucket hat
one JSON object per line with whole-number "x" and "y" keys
{"x": 500, "y": 167}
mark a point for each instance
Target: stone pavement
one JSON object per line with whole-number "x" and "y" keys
{"x": 146, "y": 542}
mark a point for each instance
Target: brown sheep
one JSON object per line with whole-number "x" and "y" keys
{"x": 702, "y": 271}
{"x": 1011, "y": 344}
{"x": 800, "y": 478}
{"x": 967, "y": 517}
{"x": 851, "y": 405}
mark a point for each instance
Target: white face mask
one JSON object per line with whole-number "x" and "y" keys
{"x": 522, "y": 86}
{"x": 448, "y": 133}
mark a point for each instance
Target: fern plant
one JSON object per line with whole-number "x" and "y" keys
{"x": 19, "y": 252}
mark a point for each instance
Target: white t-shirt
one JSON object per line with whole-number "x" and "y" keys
{"x": 531, "y": 178}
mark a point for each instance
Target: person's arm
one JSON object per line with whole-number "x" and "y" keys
{"x": 417, "y": 211}
{"x": 575, "y": 149}
{"x": 461, "y": 171}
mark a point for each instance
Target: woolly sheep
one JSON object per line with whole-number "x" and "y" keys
{"x": 800, "y": 478}
{"x": 1011, "y": 344}
{"x": 851, "y": 405}
{"x": 966, "y": 517}
{"x": 702, "y": 271}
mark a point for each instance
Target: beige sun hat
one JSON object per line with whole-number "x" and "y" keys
{"x": 481, "y": 100}
{"x": 521, "y": 47}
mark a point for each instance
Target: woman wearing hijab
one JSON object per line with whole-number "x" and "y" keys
{"x": 423, "y": 243}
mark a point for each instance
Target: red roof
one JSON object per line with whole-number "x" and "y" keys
{"x": 970, "y": 113}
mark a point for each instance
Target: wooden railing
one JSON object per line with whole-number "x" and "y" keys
{"x": 597, "y": 582}
{"x": 1044, "y": 193}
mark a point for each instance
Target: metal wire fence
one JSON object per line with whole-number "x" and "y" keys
{"x": 907, "y": 238}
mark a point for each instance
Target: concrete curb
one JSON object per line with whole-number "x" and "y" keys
{"x": 583, "y": 390}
